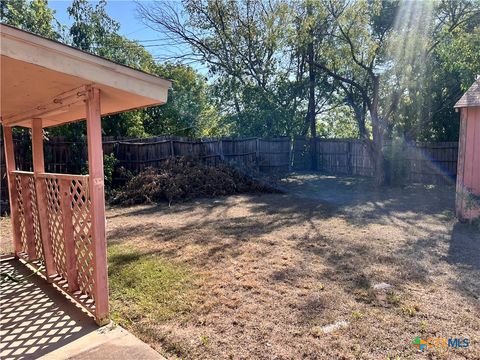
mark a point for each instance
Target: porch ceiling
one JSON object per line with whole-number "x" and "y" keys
{"x": 36, "y": 71}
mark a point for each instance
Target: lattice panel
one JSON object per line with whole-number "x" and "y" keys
{"x": 21, "y": 213}
{"x": 82, "y": 233}
{"x": 36, "y": 221}
{"x": 55, "y": 224}
{"x": 67, "y": 212}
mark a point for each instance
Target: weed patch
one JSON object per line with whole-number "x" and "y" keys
{"x": 145, "y": 287}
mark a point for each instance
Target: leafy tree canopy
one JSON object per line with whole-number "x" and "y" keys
{"x": 94, "y": 31}
{"x": 34, "y": 16}
{"x": 389, "y": 68}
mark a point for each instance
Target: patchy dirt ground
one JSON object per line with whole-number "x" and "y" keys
{"x": 6, "y": 246}
{"x": 266, "y": 273}
{"x": 272, "y": 270}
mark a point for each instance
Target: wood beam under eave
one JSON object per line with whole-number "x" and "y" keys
{"x": 60, "y": 103}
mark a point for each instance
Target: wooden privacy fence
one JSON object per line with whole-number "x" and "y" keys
{"x": 418, "y": 162}
{"x": 266, "y": 154}
{"x": 432, "y": 163}
{"x": 342, "y": 157}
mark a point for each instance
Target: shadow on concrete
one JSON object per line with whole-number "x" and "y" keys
{"x": 36, "y": 318}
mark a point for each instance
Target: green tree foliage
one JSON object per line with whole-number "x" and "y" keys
{"x": 381, "y": 56}
{"x": 329, "y": 126}
{"x": 243, "y": 44}
{"x": 188, "y": 102}
{"x": 92, "y": 27}
{"x": 34, "y": 16}
{"x": 188, "y": 110}
{"x": 93, "y": 30}
{"x": 399, "y": 65}
{"x": 453, "y": 61}
{"x": 374, "y": 69}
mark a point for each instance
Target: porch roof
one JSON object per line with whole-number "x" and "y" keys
{"x": 47, "y": 79}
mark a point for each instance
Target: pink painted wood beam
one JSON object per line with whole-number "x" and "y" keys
{"x": 12, "y": 191}
{"x": 460, "y": 198}
{"x": 97, "y": 207}
{"x": 468, "y": 165}
{"x": 41, "y": 188}
{"x": 28, "y": 216}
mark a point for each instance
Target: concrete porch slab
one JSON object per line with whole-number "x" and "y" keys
{"x": 38, "y": 322}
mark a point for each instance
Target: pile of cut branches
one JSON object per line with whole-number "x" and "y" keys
{"x": 185, "y": 178}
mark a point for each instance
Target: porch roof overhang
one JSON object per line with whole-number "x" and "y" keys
{"x": 42, "y": 78}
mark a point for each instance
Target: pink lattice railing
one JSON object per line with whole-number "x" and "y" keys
{"x": 67, "y": 237}
{"x": 31, "y": 248}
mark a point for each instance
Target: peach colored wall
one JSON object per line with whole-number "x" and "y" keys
{"x": 469, "y": 166}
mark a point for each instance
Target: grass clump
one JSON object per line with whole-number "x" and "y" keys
{"x": 357, "y": 315}
{"x": 409, "y": 311}
{"x": 204, "y": 339}
{"x": 393, "y": 298}
{"x": 423, "y": 326}
{"x": 145, "y": 287}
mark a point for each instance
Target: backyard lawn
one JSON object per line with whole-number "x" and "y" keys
{"x": 264, "y": 276}
{"x": 331, "y": 269}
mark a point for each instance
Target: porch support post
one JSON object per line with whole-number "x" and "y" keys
{"x": 97, "y": 207}
{"x": 40, "y": 187}
{"x": 12, "y": 189}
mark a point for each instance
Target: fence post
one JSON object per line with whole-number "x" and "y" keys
{"x": 313, "y": 154}
{"x": 349, "y": 157}
{"x": 172, "y": 149}
{"x": 290, "y": 153}
{"x": 220, "y": 149}
{"x": 257, "y": 152}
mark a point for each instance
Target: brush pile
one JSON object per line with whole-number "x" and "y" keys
{"x": 185, "y": 178}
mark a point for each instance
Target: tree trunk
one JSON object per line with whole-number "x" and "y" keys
{"x": 378, "y": 136}
{"x": 311, "y": 116}
{"x": 377, "y": 153}
{"x": 311, "y": 112}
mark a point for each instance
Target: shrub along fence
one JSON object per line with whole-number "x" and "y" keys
{"x": 419, "y": 162}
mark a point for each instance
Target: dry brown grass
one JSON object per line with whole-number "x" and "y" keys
{"x": 276, "y": 268}
{"x": 6, "y": 246}
{"x": 269, "y": 271}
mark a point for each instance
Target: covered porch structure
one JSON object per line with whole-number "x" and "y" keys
{"x": 58, "y": 220}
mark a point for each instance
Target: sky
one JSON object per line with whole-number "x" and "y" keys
{"x": 123, "y": 11}
{"x": 131, "y": 25}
